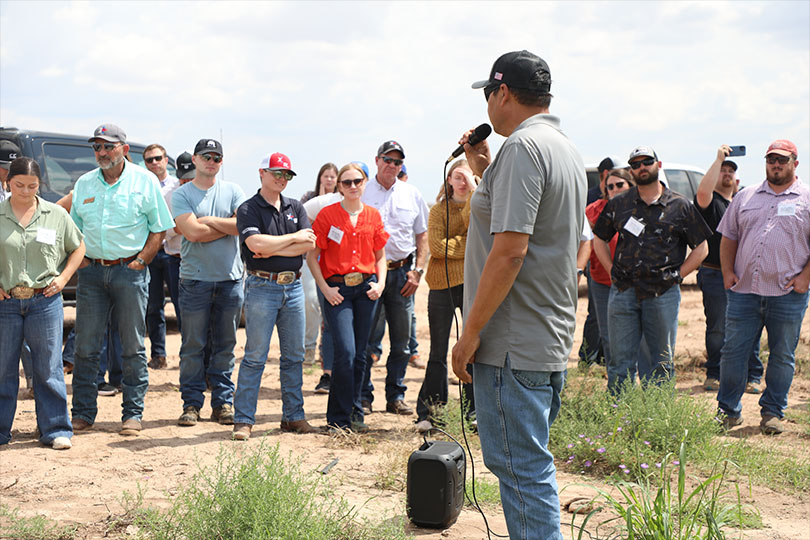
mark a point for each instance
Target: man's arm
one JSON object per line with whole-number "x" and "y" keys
{"x": 602, "y": 250}
{"x": 195, "y": 231}
{"x": 226, "y": 226}
{"x": 707, "y": 184}
{"x": 285, "y": 245}
{"x": 694, "y": 258}
{"x": 413, "y": 276}
{"x": 801, "y": 283}
{"x": 728, "y": 252}
{"x": 583, "y": 254}
{"x": 500, "y": 271}
{"x": 150, "y": 248}
{"x": 478, "y": 156}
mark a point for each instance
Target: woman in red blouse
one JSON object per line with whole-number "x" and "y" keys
{"x": 351, "y": 275}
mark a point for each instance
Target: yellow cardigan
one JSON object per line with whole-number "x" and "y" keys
{"x": 454, "y": 243}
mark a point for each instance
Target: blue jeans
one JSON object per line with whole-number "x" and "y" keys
{"x": 629, "y": 319}
{"x": 25, "y": 358}
{"x": 515, "y": 409}
{"x": 398, "y": 315}
{"x": 327, "y": 347}
{"x": 350, "y": 324}
{"x": 210, "y": 311}
{"x": 269, "y": 305}
{"x": 746, "y": 315}
{"x": 710, "y": 282}
{"x": 378, "y": 332}
{"x": 591, "y": 350}
{"x": 109, "y": 357}
{"x": 126, "y": 290}
{"x": 413, "y": 345}
{"x": 162, "y": 270}
{"x": 313, "y": 309}
{"x": 38, "y": 320}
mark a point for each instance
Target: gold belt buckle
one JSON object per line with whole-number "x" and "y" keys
{"x": 21, "y": 292}
{"x": 285, "y": 278}
{"x": 352, "y": 279}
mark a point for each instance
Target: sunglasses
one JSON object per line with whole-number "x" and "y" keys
{"x": 389, "y": 161}
{"x": 617, "y": 185}
{"x": 107, "y": 146}
{"x": 209, "y": 157}
{"x": 286, "y": 175}
{"x": 647, "y": 162}
{"x": 782, "y": 160}
{"x": 349, "y": 181}
{"x": 154, "y": 159}
{"x": 489, "y": 89}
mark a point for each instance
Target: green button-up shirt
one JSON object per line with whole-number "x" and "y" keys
{"x": 35, "y": 254}
{"x": 116, "y": 219}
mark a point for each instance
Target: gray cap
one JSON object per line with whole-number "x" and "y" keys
{"x": 110, "y": 133}
{"x": 8, "y": 153}
{"x": 642, "y": 151}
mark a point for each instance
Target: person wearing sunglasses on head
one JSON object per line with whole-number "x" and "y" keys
{"x": 123, "y": 216}
{"x": 211, "y": 288}
{"x": 765, "y": 260}
{"x": 274, "y": 233}
{"x": 349, "y": 267}
{"x": 654, "y": 225}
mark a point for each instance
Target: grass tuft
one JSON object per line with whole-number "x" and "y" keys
{"x": 12, "y": 525}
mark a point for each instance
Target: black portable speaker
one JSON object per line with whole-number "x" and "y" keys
{"x": 436, "y": 474}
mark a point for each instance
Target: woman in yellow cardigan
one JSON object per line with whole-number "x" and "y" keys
{"x": 447, "y": 245}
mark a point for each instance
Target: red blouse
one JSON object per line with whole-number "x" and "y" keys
{"x": 346, "y": 248}
{"x": 598, "y": 272}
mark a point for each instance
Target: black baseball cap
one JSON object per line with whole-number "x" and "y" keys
{"x": 8, "y": 153}
{"x": 208, "y": 146}
{"x": 185, "y": 167}
{"x": 730, "y": 164}
{"x": 390, "y": 146}
{"x": 519, "y": 69}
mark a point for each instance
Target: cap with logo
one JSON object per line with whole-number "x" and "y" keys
{"x": 276, "y": 162}
{"x": 8, "y": 153}
{"x": 390, "y": 146}
{"x": 783, "y": 147}
{"x": 208, "y": 146}
{"x": 610, "y": 163}
{"x": 519, "y": 69}
{"x": 185, "y": 167}
{"x": 642, "y": 151}
{"x": 109, "y": 133}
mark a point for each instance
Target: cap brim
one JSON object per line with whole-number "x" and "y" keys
{"x": 104, "y": 138}
{"x": 480, "y": 84}
{"x": 786, "y": 153}
{"x": 204, "y": 152}
{"x": 187, "y": 175}
{"x": 282, "y": 169}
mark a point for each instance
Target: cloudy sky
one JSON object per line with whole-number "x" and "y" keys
{"x": 330, "y": 81}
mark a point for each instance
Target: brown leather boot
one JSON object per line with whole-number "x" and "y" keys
{"x": 298, "y": 426}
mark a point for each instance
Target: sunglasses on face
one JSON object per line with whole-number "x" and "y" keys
{"x": 773, "y": 159}
{"x": 647, "y": 162}
{"x": 389, "y": 161}
{"x": 349, "y": 181}
{"x": 617, "y": 185}
{"x": 106, "y": 146}
{"x": 286, "y": 175}
{"x": 489, "y": 89}
{"x": 154, "y": 159}
{"x": 209, "y": 157}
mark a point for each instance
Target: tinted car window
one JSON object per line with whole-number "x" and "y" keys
{"x": 679, "y": 181}
{"x": 65, "y": 163}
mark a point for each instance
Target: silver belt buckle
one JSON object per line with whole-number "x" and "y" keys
{"x": 21, "y": 292}
{"x": 285, "y": 278}
{"x": 352, "y": 279}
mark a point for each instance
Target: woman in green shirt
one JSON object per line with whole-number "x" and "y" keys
{"x": 40, "y": 249}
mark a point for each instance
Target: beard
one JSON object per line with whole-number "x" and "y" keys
{"x": 651, "y": 178}
{"x": 106, "y": 163}
{"x": 780, "y": 178}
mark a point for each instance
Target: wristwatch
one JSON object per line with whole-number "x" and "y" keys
{"x": 580, "y": 271}
{"x": 420, "y": 271}
{"x": 140, "y": 261}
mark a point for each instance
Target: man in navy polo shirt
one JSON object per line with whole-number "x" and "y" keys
{"x": 275, "y": 233}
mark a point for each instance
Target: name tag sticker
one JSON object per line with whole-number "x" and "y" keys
{"x": 634, "y": 226}
{"x": 335, "y": 234}
{"x": 786, "y": 209}
{"x": 88, "y": 201}
{"x": 46, "y": 236}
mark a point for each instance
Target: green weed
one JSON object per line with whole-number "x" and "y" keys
{"x": 487, "y": 492}
{"x": 14, "y": 526}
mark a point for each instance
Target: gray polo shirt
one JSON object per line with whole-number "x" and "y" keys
{"x": 536, "y": 185}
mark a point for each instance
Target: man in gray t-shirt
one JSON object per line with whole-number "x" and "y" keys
{"x": 520, "y": 287}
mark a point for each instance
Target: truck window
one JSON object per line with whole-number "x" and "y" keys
{"x": 65, "y": 163}
{"x": 679, "y": 182}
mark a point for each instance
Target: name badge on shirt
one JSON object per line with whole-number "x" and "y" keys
{"x": 634, "y": 226}
{"x": 46, "y": 236}
{"x": 335, "y": 234}
{"x": 786, "y": 209}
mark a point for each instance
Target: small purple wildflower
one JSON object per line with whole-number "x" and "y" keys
{"x": 571, "y": 445}
{"x": 626, "y": 471}
{"x": 676, "y": 462}
{"x": 588, "y": 463}
{"x": 622, "y": 466}
{"x": 618, "y": 429}
{"x": 658, "y": 465}
{"x": 581, "y": 436}
{"x": 647, "y": 443}
{"x": 601, "y": 450}
{"x": 645, "y": 466}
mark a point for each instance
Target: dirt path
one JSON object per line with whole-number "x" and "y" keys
{"x": 85, "y": 484}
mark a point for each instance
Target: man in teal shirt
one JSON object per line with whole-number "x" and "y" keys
{"x": 123, "y": 216}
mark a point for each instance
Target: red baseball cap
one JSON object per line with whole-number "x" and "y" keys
{"x": 782, "y": 147}
{"x": 276, "y": 162}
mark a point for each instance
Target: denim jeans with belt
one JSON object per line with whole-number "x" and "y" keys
{"x": 398, "y": 315}
{"x": 269, "y": 305}
{"x": 515, "y": 409}
{"x": 715, "y": 300}
{"x": 656, "y": 319}
{"x": 211, "y": 311}
{"x": 162, "y": 269}
{"x": 126, "y": 290}
{"x": 38, "y": 320}
{"x": 350, "y": 324}
{"x": 746, "y": 315}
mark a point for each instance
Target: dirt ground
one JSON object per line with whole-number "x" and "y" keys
{"x": 85, "y": 484}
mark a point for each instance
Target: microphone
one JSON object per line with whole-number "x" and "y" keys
{"x": 479, "y": 134}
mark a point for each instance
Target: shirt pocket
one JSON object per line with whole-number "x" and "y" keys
{"x": 126, "y": 207}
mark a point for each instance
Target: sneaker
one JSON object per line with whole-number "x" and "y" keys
{"x": 223, "y": 414}
{"x": 241, "y": 432}
{"x": 711, "y": 384}
{"x": 771, "y": 425}
{"x": 753, "y": 387}
{"x": 323, "y": 384}
{"x": 414, "y": 361}
{"x": 157, "y": 362}
{"x": 729, "y": 422}
{"x": 131, "y": 427}
{"x": 309, "y": 357}
{"x": 107, "y": 389}
{"x": 398, "y": 407}
{"x": 423, "y": 426}
{"x": 61, "y": 443}
{"x": 366, "y": 404}
{"x": 189, "y": 417}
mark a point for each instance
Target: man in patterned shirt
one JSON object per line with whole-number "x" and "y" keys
{"x": 765, "y": 259}
{"x": 655, "y": 225}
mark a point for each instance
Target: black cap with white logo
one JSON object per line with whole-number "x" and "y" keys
{"x": 208, "y": 146}
{"x": 8, "y": 153}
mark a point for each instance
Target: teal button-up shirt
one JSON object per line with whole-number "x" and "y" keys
{"x": 116, "y": 219}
